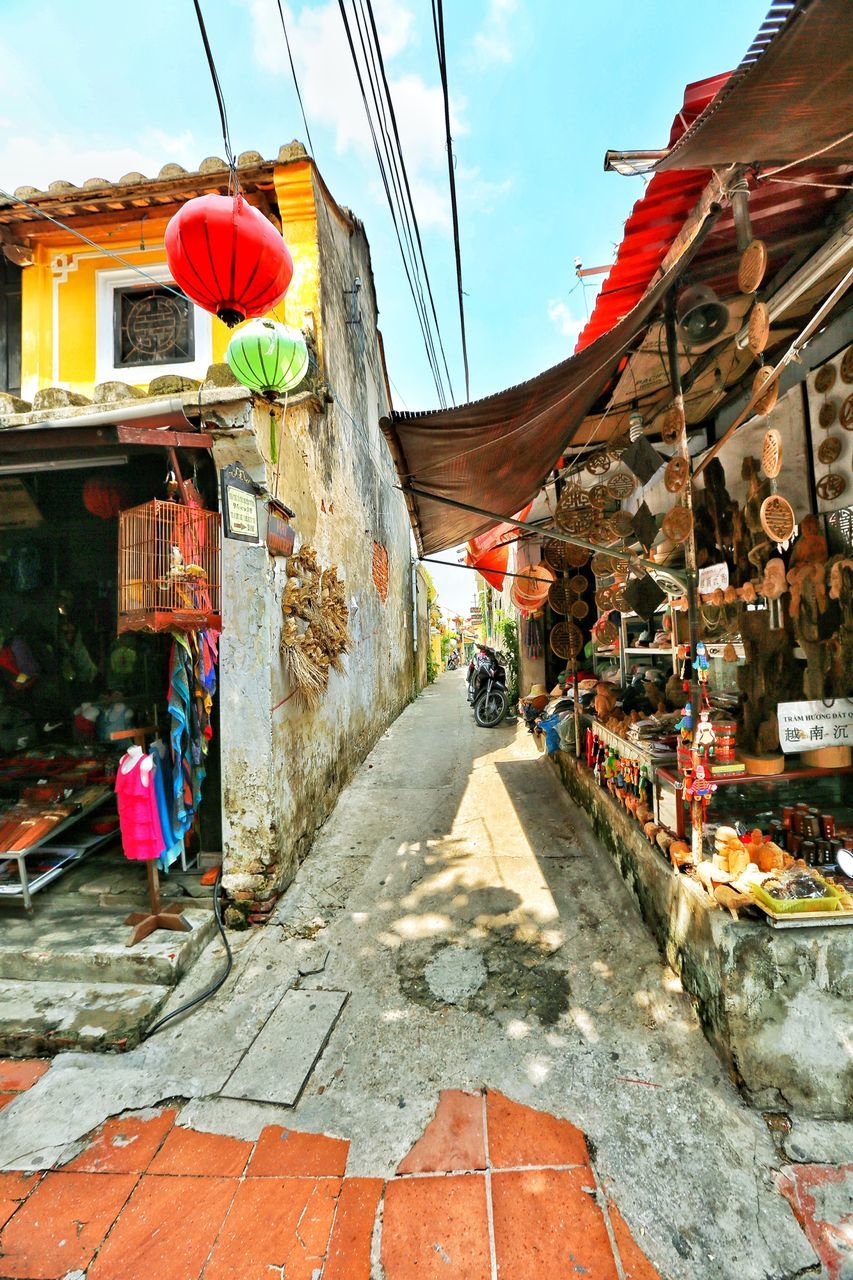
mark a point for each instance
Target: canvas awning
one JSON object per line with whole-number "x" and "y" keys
{"x": 497, "y": 452}
{"x": 790, "y": 99}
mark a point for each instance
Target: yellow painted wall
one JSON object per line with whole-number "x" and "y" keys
{"x": 59, "y": 290}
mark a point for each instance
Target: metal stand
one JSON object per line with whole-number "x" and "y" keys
{"x": 161, "y": 916}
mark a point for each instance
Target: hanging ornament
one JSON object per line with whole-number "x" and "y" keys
{"x": 847, "y": 366}
{"x": 677, "y": 474}
{"x": 771, "y": 453}
{"x": 827, "y": 414}
{"x": 228, "y": 257}
{"x": 766, "y": 399}
{"x": 705, "y": 739}
{"x": 758, "y": 328}
{"x": 753, "y": 264}
{"x": 103, "y": 498}
{"x": 267, "y": 357}
{"x": 825, "y": 378}
{"x": 829, "y": 451}
{"x": 846, "y": 415}
{"x": 701, "y": 663}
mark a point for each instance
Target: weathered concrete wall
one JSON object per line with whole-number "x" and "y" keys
{"x": 422, "y": 627}
{"x": 283, "y": 766}
{"x": 776, "y": 1005}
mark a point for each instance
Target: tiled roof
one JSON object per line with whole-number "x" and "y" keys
{"x": 135, "y": 190}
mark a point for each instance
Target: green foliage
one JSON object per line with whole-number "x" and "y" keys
{"x": 508, "y": 631}
{"x": 432, "y": 669}
{"x": 447, "y": 643}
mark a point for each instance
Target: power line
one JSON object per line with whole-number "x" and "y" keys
{"x": 408, "y": 188}
{"x": 383, "y": 174}
{"x": 438, "y": 24}
{"x": 293, "y": 73}
{"x": 395, "y": 183}
{"x": 217, "y": 89}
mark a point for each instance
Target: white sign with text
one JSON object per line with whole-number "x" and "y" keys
{"x": 805, "y": 726}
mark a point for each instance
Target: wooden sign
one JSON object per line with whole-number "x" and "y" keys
{"x": 17, "y": 509}
{"x": 280, "y": 532}
{"x": 239, "y": 504}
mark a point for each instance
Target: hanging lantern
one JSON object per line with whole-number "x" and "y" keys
{"x": 102, "y": 498}
{"x": 228, "y": 257}
{"x": 267, "y": 357}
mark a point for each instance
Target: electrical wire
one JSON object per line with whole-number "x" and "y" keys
{"x": 293, "y": 73}
{"x": 438, "y": 24}
{"x": 220, "y": 97}
{"x": 383, "y": 174}
{"x": 399, "y": 147}
{"x": 214, "y": 986}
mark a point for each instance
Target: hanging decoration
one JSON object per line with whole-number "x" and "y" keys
{"x": 103, "y": 498}
{"x": 677, "y": 473}
{"x": 766, "y": 399}
{"x": 827, "y": 414}
{"x": 268, "y": 357}
{"x": 825, "y": 378}
{"x": 677, "y": 524}
{"x": 777, "y": 518}
{"x": 758, "y": 328}
{"x": 752, "y": 266}
{"x": 847, "y": 366}
{"x": 771, "y": 453}
{"x": 846, "y": 415}
{"x": 227, "y": 257}
{"x": 314, "y": 635}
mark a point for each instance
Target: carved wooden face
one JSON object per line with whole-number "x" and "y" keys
{"x": 775, "y": 583}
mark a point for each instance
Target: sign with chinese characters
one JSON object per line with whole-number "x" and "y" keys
{"x": 239, "y": 504}
{"x": 280, "y": 532}
{"x": 714, "y": 577}
{"x": 805, "y": 726}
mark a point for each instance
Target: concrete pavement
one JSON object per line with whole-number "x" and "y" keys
{"x": 483, "y": 941}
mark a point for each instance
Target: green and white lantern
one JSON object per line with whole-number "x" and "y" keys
{"x": 268, "y": 357}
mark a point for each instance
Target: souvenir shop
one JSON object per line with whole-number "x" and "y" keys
{"x": 109, "y": 621}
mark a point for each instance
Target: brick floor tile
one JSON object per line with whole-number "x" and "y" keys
{"x": 634, "y": 1262}
{"x": 6, "y": 1098}
{"x": 820, "y": 1196}
{"x": 436, "y": 1229}
{"x": 352, "y": 1234}
{"x": 453, "y": 1139}
{"x": 124, "y": 1145}
{"x": 18, "y": 1074}
{"x": 14, "y": 1188}
{"x": 519, "y": 1135}
{"x": 166, "y": 1231}
{"x": 186, "y": 1151}
{"x": 548, "y": 1228}
{"x": 283, "y": 1153}
{"x": 277, "y": 1229}
{"x": 61, "y": 1225}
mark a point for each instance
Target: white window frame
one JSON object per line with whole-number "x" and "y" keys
{"x": 106, "y": 370}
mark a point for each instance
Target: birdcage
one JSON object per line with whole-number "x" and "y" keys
{"x": 168, "y": 568}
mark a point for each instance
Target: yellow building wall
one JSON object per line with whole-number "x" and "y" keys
{"x": 59, "y": 292}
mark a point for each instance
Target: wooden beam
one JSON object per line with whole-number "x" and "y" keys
{"x": 127, "y": 433}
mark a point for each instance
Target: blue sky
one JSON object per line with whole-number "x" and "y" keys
{"x": 539, "y": 88}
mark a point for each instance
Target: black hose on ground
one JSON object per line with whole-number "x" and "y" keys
{"x": 214, "y": 987}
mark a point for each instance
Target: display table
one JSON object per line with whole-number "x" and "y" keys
{"x": 750, "y": 794}
{"x": 775, "y": 1005}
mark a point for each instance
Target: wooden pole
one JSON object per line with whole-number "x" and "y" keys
{"x": 692, "y": 573}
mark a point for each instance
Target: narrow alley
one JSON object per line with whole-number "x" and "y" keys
{"x": 482, "y": 974}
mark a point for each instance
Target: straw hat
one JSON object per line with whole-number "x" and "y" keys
{"x": 586, "y": 686}
{"x": 536, "y": 691}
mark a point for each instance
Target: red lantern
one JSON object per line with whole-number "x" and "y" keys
{"x": 102, "y": 498}
{"x": 228, "y": 257}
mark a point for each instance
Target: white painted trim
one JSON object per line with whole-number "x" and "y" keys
{"x": 106, "y": 283}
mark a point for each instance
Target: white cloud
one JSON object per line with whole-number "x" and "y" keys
{"x": 35, "y": 161}
{"x": 560, "y": 315}
{"x": 332, "y": 98}
{"x": 493, "y": 43}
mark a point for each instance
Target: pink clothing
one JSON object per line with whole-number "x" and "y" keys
{"x": 141, "y": 837}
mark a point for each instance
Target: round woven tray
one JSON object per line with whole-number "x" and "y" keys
{"x": 566, "y": 640}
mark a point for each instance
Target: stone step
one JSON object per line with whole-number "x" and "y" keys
{"x": 39, "y": 1019}
{"x": 68, "y": 941}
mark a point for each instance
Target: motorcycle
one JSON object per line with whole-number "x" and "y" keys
{"x": 487, "y": 687}
{"x": 453, "y": 662}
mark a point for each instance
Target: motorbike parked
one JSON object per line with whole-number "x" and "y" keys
{"x": 487, "y": 687}
{"x": 453, "y": 661}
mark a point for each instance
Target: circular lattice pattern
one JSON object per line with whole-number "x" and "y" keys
{"x": 599, "y": 463}
{"x": 758, "y": 328}
{"x": 603, "y": 534}
{"x": 622, "y": 522}
{"x": 753, "y": 264}
{"x": 602, "y": 599}
{"x": 607, "y": 634}
{"x": 676, "y": 475}
{"x": 829, "y": 451}
{"x": 831, "y": 487}
{"x": 777, "y": 518}
{"x": 560, "y": 596}
{"x": 825, "y": 378}
{"x": 766, "y": 398}
{"x": 598, "y": 496}
{"x": 579, "y": 609}
{"x": 672, "y": 426}
{"x": 771, "y": 453}
{"x": 621, "y": 485}
{"x": 847, "y": 366}
{"x": 578, "y": 584}
{"x": 677, "y": 524}
{"x": 576, "y": 520}
{"x": 602, "y": 565}
{"x": 556, "y": 552}
{"x": 619, "y": 601}
{"x": 566, "y": 640}
{"x": 828, "y": 414}
{"x": 615, "y": 452}
{"x": 845, "y": 417}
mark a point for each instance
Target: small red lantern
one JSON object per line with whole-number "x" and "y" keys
{"x": 103, "y": 498}
{"x": 228, "y": 257}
